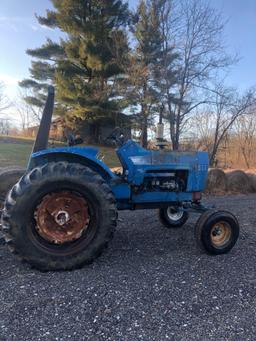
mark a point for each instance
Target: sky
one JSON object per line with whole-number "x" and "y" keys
{"x": 19, "y": 30}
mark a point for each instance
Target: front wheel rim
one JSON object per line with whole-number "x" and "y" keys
{"x": 174, "y": 214}
{"x": 220, "y": 234}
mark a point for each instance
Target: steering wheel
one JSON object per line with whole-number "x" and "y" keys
{"x": 117, "y": 137}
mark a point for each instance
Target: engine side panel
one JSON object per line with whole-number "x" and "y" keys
{"x": 140, "y": 164}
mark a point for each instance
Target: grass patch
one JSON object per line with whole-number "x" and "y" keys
{"x": 16, "y": 152}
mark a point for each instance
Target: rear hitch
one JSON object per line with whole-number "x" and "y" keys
{"x": 196, "y": 207}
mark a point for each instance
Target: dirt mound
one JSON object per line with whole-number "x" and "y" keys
{"x": 216, "y": 181}
{"x": 239, "y": 181}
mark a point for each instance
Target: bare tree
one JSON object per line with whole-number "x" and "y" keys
{"x": 219, "y": 117}
{"x": 28, "y": 113}
{"x": 202, "y": 127}
{"x": 4, "y": 104}
{"x": 5, "y": 126}
{"x": 195, "y": 30}
{"x": 4, "y": 101}
{"x": 245, "y": 129}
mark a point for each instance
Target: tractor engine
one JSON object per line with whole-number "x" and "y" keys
{"x": 169, "y": 181}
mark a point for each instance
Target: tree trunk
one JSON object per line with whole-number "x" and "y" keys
{"x": 175, "y": 145}
{"x": 144, "y": 134}
{"x": 174, "y": 137}
{"x": 172, "y": 131}
{"x": 212, "y": 158}
{"x": 246, "y": 157}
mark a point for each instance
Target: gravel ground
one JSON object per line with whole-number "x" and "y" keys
{"x": 151, "y": 284}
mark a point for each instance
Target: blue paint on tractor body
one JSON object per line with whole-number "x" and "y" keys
{"x": 146, "y": 174}
{"x": 86, "y": 153}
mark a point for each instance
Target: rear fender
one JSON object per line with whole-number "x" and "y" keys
{"x": 76, "y": 155}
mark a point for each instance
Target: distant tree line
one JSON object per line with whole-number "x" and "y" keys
{"x": 166, "y": 59}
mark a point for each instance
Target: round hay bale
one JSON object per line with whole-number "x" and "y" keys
{"x": 216, "y": 181}
{"x": 239, "y": 181}
{"x": 8, "y": 178}
{"x": 252, "y": 178}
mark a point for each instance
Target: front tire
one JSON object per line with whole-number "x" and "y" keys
{"x": 216, "y": 232}
{"x": 59, "y": 216}
{"x": 172, "y": 217}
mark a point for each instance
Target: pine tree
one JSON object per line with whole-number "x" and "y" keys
{"x": 87, "y": 64}
{"x": 149, "y": 61}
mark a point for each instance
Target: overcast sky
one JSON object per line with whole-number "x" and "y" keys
{"x": 19, "y": 30}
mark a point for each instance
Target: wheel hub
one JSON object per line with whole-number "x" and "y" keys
{"x": 62, "y": 217}
{"x": 220, "y": 234}
{"x": 174, "y": 214}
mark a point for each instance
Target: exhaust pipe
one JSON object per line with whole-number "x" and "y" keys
{"x": 42, "y": 137}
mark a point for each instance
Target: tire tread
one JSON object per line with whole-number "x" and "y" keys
{"x": 39, "y": 175}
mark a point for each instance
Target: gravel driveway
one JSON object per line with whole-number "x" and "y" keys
{"x": 151, "y": 284}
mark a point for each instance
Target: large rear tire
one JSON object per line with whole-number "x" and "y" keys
{"x": 59, "y": 216}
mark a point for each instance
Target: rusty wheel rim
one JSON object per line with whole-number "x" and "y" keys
{"x": 220, "y": 234}
{"x": 62, "y": 217}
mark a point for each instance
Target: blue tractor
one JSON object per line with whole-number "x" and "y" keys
{"x": 63, "y": 211}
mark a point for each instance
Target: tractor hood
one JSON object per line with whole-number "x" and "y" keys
{"x": 139, "y": 162}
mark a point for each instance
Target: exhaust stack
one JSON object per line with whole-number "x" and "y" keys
{"x": 42, "y": 137}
